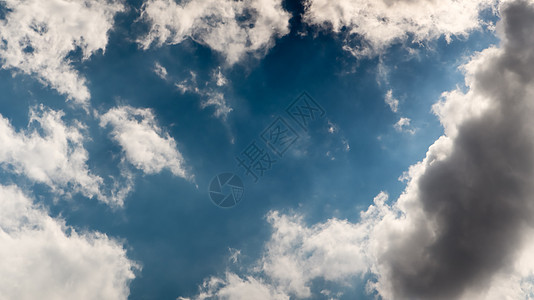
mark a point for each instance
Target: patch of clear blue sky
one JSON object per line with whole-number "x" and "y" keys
{"x": 171, "y": 227}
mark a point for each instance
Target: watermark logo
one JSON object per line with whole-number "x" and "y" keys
{"x": 226, "y": 190}
{"x": 255, "y": 160}
{"x": 260, "y": 156}
{"x": 279, "y": 136}
{"x": 304, "y": 110}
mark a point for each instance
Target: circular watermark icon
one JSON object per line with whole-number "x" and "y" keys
{"x": 226, "y": 190}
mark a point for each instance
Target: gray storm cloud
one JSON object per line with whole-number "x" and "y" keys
{"x": 478, "y": 200}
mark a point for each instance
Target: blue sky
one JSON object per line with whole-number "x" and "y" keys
{"x": 117, "y": 115}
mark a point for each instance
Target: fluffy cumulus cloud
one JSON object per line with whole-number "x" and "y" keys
{"x": 463, "y": 227}
{"x": 52, "y": 152}
{"x": 237, "y": 288}
{"x": 37, "y": 38}
{"x": 232, "y": 28}
{"x": 296, "y": 255}
{"x": 144, "y": 143}
{"x": 373, "y": 25}
{"x": 42, "y": 258}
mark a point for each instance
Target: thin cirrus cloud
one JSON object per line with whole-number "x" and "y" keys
{"x": 372, "y": 26}
{"x": 38, "y": 37}
{"x": 210, "y": 92}
{"x": 42, "y": 258}
{"x": 232, "y": 28}
{"x": 145, "y": 144}
{"x": 462, "y": 228}
{"x": 211, "y": 95}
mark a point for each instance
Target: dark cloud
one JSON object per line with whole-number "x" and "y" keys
{"x": 479, "y": 198}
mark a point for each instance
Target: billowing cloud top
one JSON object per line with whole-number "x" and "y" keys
{"x": 233, "y": 28}
{"x": 42, "y": 258}
{"x": 373, "y": 25}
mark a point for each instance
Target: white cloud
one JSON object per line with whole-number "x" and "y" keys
{"x": 219, "y": 78}
{"x": 234, "y": 254}
{"x": 346, "y": 145}
{"x": 391, "y": 102}
{"x": 37, "y": 37}
{"x": 403, "y": 125}
{"x": 42, "y": 258}
{"x": 296, "y": 254}
{"x": 373, "y": 25}
{"x": 144, "y": 143}
{"x": 336, "y": 141}
{"x": 237, "y": 288}
{"x": 332, "y": 127}
{"x": 189, "y": 85}
{"x": 232, "y": 28}
{"x": 160, "y": 71}
{"x": 53, "y": 153}
{"x": 218, "y": 102}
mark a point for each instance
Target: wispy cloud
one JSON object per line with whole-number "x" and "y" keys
{"x": 211, "y": 93}
{"x": 160, "y": 71}
{"x": 391, "y": 101}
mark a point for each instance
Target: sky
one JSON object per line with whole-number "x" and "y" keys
{"x": 266, "y": 149}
